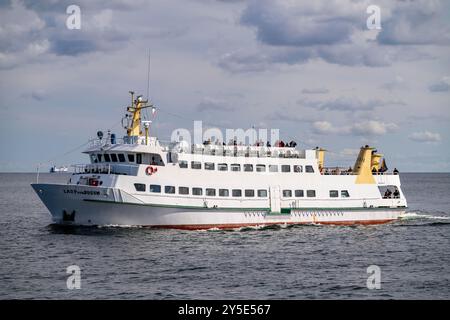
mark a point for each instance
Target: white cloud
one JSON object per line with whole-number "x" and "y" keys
{"x": 295, "y": 32}
{"x": 442, "y": 85}
{"x": 416, "y": 23}
{"x": 348, "y": 104}
{"x": 213, "y": 104}
{"x": 240, "y": 61}
{"x": 397, "y": 83}
{"x": 315, "y": 91}
{"x": 365, "y": 128}
{"x": 302, "y": 23}
{"x": 348, "y": 153}
{"x": 373, "y": 127}
{"x": 324, "y": 127}
{"x": 49, "y": 70}
{"x": 19, "y": 39}
{"x": 425, "y": 136}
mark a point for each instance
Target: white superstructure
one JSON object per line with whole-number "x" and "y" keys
{"x": 138, "y": 181}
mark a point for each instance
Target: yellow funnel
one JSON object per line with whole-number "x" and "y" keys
{"x": 362, "y": 166}
{"x": 320, "y": 155}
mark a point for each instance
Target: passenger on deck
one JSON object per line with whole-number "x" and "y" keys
{"x": 395, "y": 171}
{"x": 387, "y": 194}
{"x": 349, "y": 170}
{"x": 374, "y": 170}
{"x": 268, "y": 144}
{"x": 396, "y": 194}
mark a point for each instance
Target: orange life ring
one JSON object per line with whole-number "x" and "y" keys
{"x": 149, "y": 170}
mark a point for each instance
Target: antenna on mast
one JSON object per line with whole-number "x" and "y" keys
{"x": 148, "y": 74}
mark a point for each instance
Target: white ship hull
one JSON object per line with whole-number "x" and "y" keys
{"x": 90, "y": 206}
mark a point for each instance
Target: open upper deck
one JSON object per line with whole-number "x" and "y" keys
{"x": 152, "y": 144}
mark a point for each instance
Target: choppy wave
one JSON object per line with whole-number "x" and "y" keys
{"x": 422, "y": 219}
{"x": 421, "y": 215}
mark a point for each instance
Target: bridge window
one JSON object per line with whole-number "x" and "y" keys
{"x": 93, "y": 158}
{"x": 130, "y": 157}
{"x": 250, "y": 193}
{"x": 139, "y": 187}
{"x": 235, "y": 167}
{"x": 107, "y": 158}
{"x": 273, "y": 168}
{"x": 113, "y": 157}
{"x": 210, "y": 192}
{"x": 155, "y": 188}
{"x": 248, "y": 167}
{"x": 99, "y": 157}
{"x": 196, "y": 165}
{"x": 154, "y": 159}
{"x": 345, "y": 194}
{"x": 299, "y": 193}
{"x": 197, "y": 191}
{"x": 139, "y": 158}
{"x": 262, "y": 193}
{"x": 183, "y": 164}
{"x": 222, "y": 167}
{"x": 183, "y": 190}
{"x": 311, "y": 193}
{"x": 298, "y": 168}
{"x": 236, "y": 193}
{"x": 224, "y": 193}
{"x": 260, "y": 168}
{"x": 334, "y": 193}
{"x": 121, "y": 157}
{"x": 169, "y": 189}
{"x": 285, "y": 168}
{"x": 309, "y": 169}
{"x": 209, "y": 166}
{"x": 287, "y": 193}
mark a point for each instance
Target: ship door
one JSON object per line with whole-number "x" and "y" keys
{"x": 275, "y": 203}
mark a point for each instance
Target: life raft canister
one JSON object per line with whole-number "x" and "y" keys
{"x": 150, "y": 170}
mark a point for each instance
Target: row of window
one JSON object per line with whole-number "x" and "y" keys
{"x": 249, "y": 193}
{"x": 246, "y": 167}
{"x": 113, "y": 157}
{"x": 138, "y": 158}
{"x": 335, "y": 194}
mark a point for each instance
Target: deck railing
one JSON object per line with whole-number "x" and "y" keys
{"x": 243, "y": 151}
{"x": 108, "y": 142}
{"x": 337, "y": 171}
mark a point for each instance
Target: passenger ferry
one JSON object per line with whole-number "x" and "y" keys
{"x": 55, "y": 169}
{"x": 139, "y": 181}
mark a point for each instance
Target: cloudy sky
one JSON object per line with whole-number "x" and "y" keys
{"x": 310, "y": 68}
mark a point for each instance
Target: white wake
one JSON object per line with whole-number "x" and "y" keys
{"x": 415, "y": 215}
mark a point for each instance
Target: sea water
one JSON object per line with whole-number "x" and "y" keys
{"x": 278, "y": 262}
